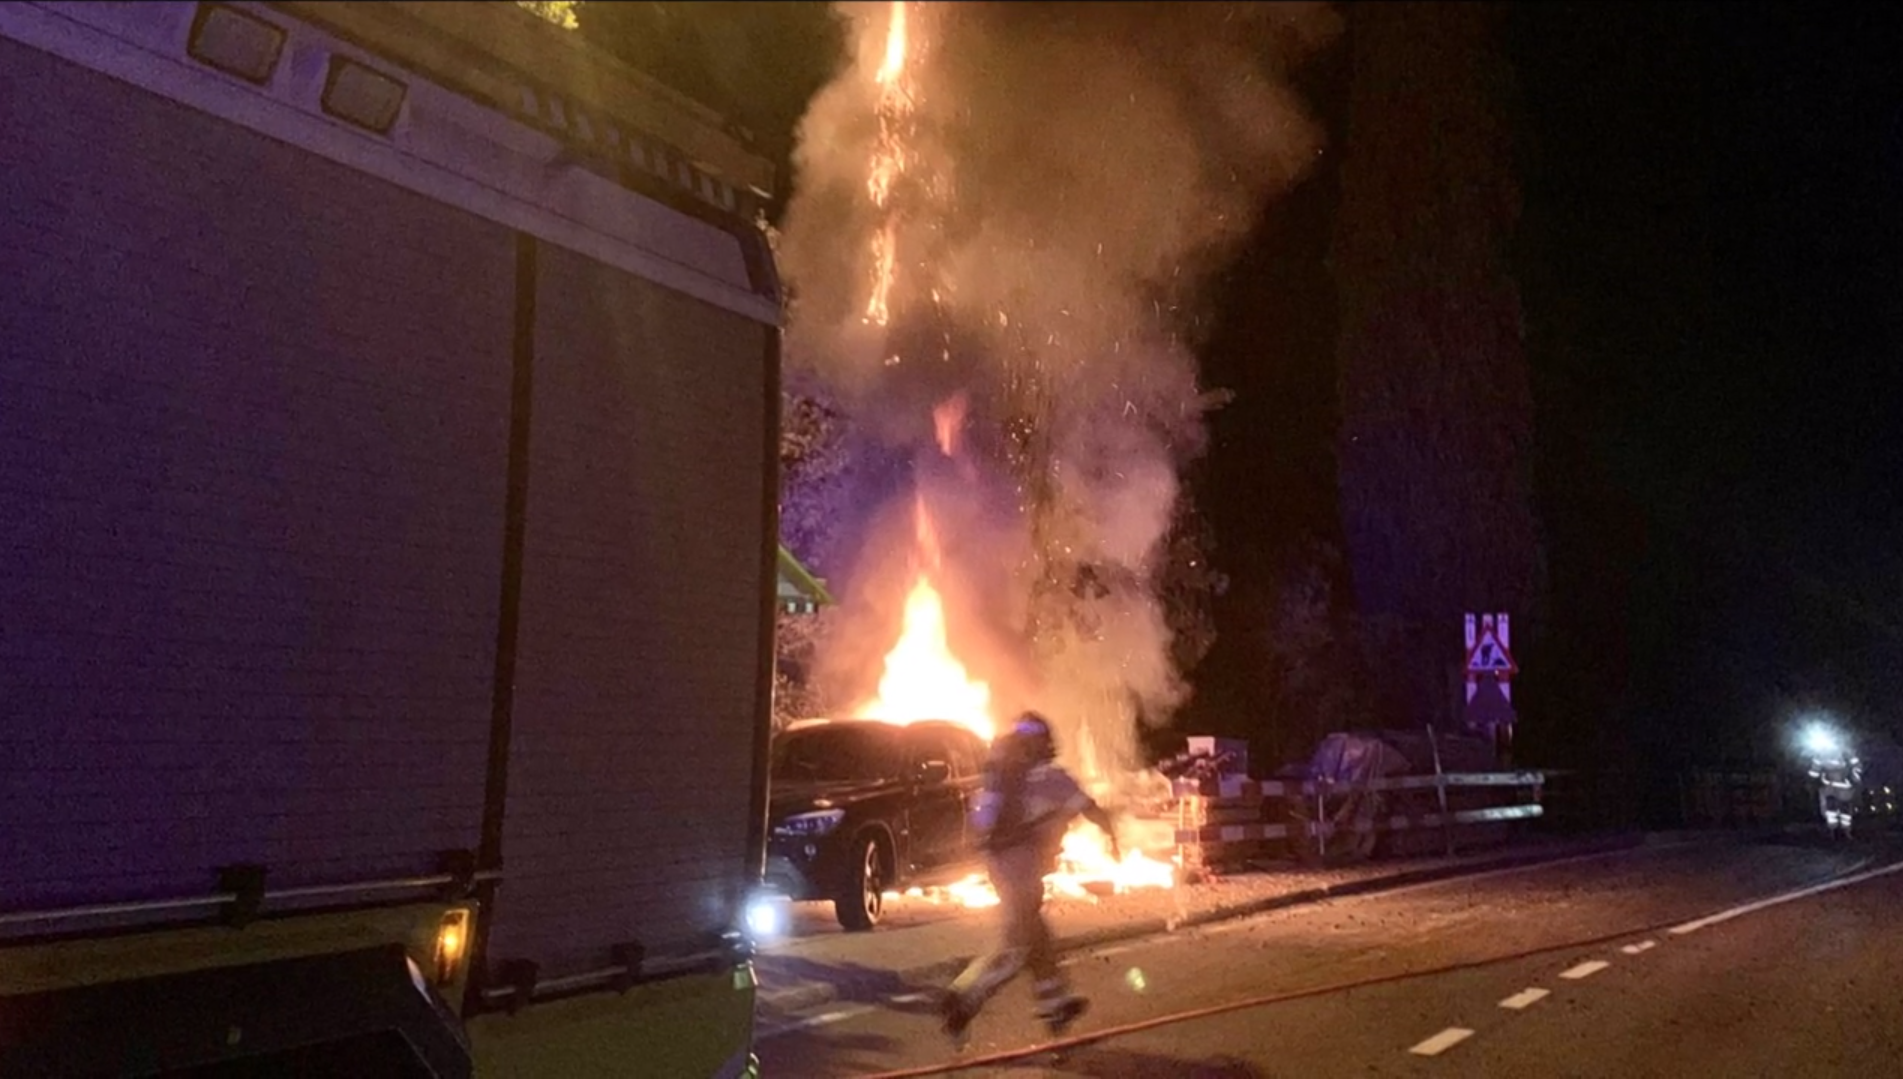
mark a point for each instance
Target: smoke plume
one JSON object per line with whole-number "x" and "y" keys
{"x": 1048, "y": 184}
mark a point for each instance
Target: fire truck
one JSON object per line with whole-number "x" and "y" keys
{"x": 389, "y": 403}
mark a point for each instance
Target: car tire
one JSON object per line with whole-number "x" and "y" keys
{"x": 860, "y": 906}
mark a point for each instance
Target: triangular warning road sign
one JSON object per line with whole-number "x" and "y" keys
{"x": 1489, "y": 656}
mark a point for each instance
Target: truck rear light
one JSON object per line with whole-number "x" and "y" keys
{"x": 452, "y": 942}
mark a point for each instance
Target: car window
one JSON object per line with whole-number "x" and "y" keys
{"x": 967, "y": 754}
{"x": 962, "y": 750}
{"x": 848, "y": 752}
{"x": 931, "y": 745}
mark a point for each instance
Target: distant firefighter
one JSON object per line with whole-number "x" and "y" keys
{"x": 1838, "y": 773}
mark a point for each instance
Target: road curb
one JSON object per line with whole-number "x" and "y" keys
{"x": 1391, "y": 881}
{"x": 814, "y": 994}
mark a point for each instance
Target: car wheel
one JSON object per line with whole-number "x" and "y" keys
{"x": 861, "y": 906}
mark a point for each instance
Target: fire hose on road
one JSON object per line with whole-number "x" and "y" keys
{"x": 1676, "y": 926}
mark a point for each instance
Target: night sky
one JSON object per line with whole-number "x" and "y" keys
{"x": 1707, "y": 261}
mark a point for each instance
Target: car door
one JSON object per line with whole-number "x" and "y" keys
{"x": 968, "y": 767}
{"x": 937, "y": 805}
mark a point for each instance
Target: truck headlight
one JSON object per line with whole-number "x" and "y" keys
{"x": 816, "y": 823}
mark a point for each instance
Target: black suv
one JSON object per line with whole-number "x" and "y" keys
{"x": 861, "y": 807}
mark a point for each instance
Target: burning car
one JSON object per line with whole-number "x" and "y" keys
{"x": 861, "y": 808}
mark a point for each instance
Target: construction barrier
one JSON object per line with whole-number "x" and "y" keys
{"x": 1226, "y": 820}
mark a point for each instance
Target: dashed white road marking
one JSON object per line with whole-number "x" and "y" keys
{"x": 1525, "y": 998}
{"x": 839, "y": 1015}
{"x": 1442, "y": 1042}
{"x": 1801, "y": 893}
{"x": 1642, "y": 946}
{"x": 1584, "y": 970}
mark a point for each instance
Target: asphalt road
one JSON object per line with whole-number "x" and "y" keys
{"x": 1569, "y": 970}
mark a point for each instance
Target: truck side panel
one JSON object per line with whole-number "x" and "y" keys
{"x": 376, "y": 490}
{"x": 630, "y": 770}
{"x": 253, "y": 435}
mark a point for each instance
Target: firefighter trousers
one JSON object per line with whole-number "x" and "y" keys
{"x": 1026, "y": 943}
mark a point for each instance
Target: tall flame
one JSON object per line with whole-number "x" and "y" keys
{"x": 895, "y": 45}
{"x": 922, "y": 677}
{"x": 888, "y": 161}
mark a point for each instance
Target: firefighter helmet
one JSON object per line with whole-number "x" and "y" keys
{"x": 1033, "y": 732}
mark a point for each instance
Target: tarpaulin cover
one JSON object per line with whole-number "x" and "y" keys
{"x": 1353, "y": 758}
{"x": 1347, "y": 757}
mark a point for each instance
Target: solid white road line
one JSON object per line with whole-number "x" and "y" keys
{"x": 1525, "y": 998}
{"x": 1801, "y": 893}
{"x": 1584, "y": 970}
{"x": 1642, "y": 946}
{"x": 1442, "y": 1042}
{"x": 1504, "y": 871}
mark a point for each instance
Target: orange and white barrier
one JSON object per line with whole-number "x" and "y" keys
{"x": 1228, "y": 819}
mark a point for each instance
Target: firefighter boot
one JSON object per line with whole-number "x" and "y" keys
{"x": 955, "y": 1018}
{"x": 1059, "y": 1007}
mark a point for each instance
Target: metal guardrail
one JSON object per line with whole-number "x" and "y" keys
{"x": 1228, "y": 818}
{"x": 1236, "y": 788}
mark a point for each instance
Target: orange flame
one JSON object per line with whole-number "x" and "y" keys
{"x": 922, "y": 678}
{"x": 948, "y": 419}
{"x": 884, "y": 254}
{"x": 1085, "y": 870}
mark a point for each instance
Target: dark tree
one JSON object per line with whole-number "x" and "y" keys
{"x": 1436, "y": 435}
